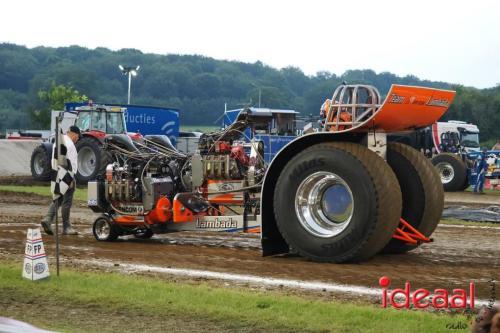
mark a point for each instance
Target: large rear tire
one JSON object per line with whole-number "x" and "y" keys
{"x": 92, "y": 160}
{"x": 337, "y": 202}
{"x": 40, "y": 163}
{"x": 423, "y": 195}
{"x": 452, "y": 171}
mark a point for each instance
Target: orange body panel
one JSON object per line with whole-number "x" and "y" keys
{"x": 161, "y": 213}
{"x": 233, "y": 198}
{"x": 225, "y": 199}
{"x": 181, "y": 213}
{"x": 407, "y": 108}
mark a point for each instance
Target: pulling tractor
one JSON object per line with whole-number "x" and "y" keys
{"x": 95, "y": 122}
{"x": 341, "y": 194}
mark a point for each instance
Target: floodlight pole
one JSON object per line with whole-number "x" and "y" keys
{"x": 129, "y": 71}
{"x": 260, "y": 91}
{"x": 129, "y": 85}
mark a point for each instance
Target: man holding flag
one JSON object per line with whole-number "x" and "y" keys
{"x": 64, "y": 167}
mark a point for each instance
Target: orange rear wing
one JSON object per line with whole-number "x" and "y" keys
{"x": 358, "y": 108}
{"x": 406, "y": 108}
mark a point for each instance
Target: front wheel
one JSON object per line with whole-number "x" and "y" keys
{"x": 104, "y": 229}
{"x": 337, "y": 202}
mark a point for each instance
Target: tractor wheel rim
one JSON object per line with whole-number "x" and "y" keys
{"x": 324, "y": 204}
{"x": 86, "y": 161}
{"x": 446, "y": 172}
{"x": 38, "y": 164}
{"x": 102, "y": 229}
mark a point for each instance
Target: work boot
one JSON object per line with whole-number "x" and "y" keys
{"x": 70, "y": 231}
{"x": 47, "y": 228}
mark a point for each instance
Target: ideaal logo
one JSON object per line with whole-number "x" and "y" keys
{"x": 423, "y": 298}
{"x": 444, "y": 300}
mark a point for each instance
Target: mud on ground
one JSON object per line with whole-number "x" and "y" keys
{"x": 459, "y": 254}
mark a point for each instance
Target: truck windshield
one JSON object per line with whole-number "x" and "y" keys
{"x": 470, "y": 139}
{"x": 115, "y": 122}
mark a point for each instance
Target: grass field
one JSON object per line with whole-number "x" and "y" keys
{"x": 490, "y": 192}
{"x": 80, "y": 193}
{"x": 95, "y": 302}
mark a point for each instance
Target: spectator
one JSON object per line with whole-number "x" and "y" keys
{"x": 482, "y": 167}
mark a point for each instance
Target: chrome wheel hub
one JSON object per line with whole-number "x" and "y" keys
{"x": 102, "y": 229}
{"x": 86, "y": 161}
{"x": 324, "y": 204}
{"x": 446, "y": 172}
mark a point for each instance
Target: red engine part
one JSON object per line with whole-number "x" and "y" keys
{"x": 238, "y": 153}
{"x": 222, "y": 147}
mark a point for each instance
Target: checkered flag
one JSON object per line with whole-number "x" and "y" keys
{"x": 62, "y": 174}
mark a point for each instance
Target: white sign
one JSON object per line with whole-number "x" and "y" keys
{"x": 35, "y": 261}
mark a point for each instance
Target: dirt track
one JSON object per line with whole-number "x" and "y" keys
{"x": 458, "y": 255}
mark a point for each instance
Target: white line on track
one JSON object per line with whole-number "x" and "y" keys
{"x": 252, "y": 279}
{"x": 467, "y": 226}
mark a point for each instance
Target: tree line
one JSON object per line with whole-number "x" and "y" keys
{"x": 196, "y": 85}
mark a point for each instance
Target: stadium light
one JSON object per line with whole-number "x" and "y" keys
{"x": 129, "y": 71}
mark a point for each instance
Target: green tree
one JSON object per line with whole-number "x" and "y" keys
{"x": 198, "y": 86}
{"x": 54, "y": 99}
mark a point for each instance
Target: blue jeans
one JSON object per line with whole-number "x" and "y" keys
{"x": 479, "y": 182}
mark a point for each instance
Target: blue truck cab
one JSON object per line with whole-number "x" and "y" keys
{"x": 274, "y": 127}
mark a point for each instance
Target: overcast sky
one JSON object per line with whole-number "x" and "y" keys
{"x": 453, "y": 41}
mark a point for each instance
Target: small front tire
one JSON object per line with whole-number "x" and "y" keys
{"x": 105, "y": 230}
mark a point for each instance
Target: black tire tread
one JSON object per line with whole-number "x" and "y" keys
{"x": 113, "y": 234}
{"x": 104, "y": 159}
{"x": 48, "y": 156}
{"x": 388, "y": 199}
{"x": 433, "y": 194}
{"x": 144, "y": 235}
{"x": 457, "y": 184}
